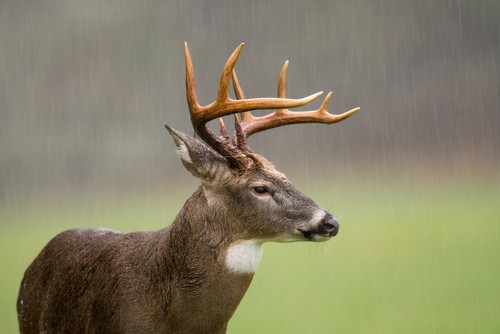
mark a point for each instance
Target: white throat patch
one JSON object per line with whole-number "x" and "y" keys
{"x": 243, "y": 256}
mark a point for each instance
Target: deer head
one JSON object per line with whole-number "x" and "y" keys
{"x": 256, "y": 201}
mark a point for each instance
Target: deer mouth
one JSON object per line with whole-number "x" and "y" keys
{"x": 315, "y": 236}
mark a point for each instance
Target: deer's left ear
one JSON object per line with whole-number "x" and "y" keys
{"x": 199, "y": 159}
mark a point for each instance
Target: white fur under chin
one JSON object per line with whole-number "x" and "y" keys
{"x": 244, "y": 256}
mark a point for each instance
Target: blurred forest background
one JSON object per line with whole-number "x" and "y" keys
{"x": 87, "y": 86}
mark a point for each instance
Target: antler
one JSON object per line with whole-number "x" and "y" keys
{"x": 251, "y": 124}
{"x": 225, "y": 105}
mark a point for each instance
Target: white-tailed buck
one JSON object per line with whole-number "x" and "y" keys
{"x": 190, "y": 276}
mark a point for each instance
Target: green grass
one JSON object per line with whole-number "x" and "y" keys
{"x": 423, "y": 258}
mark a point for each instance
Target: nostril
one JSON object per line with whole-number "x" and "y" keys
{"x": 330, "y": 224}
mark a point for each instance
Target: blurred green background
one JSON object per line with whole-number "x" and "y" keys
{"x": 414, "y": 178}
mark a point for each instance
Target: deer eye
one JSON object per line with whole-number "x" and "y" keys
{"x": 260, "y": 190}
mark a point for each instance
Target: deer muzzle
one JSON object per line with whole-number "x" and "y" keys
{"x": 326, "y": 228}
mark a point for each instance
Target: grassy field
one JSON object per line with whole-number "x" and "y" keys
{"x": 423, "y": 258}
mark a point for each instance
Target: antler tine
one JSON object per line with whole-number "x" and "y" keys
{"x": 223, "y": 94}
{"x": 190, "y": 85}
{"x": 282, "y": 80}
{"x": 238, "y": 91}
{"x": 240, "y": 135}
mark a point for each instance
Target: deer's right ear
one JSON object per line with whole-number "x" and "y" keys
{"x": 199, "y": 159}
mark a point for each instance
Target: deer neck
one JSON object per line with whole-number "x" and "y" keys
{"x": 201, "y": 234}
{"x": 212, "y": 271}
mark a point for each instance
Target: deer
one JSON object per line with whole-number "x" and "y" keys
{"x": 190, "y": 276}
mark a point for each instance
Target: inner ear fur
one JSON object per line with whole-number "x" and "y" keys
{"x": 196, "y": 156}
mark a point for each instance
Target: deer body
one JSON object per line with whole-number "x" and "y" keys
{"x": 190, "y": 276}
{"x": 103, "y": 281}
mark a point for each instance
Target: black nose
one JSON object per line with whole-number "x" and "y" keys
{"x": 329, "y": 225}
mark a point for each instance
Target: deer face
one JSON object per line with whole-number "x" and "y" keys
{"x": 268, "y": 207}
{"x": 259, "y": 203}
